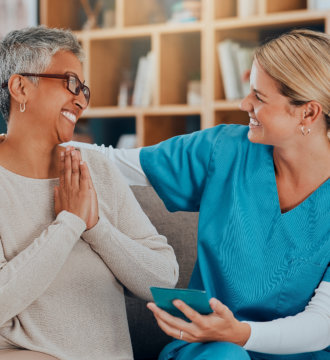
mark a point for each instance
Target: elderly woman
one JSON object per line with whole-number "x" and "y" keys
{"x": 263, "y": 193}
{"x": 67, "y": 258}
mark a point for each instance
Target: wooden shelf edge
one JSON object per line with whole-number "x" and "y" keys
{"x": 173, "y": 110}
{"x": 284, "y": 17}
{"x": 227, "y": 105}
{"x": 139, "y": 31}
{"x": 114, "y": 111}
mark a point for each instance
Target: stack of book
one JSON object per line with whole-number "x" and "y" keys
{"x": 235, "y": 62}
{"x": 144, "y": 81}
{"x": 186, "y": 11}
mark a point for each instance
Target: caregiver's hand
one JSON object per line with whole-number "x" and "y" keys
{"x": 221, "y": 325}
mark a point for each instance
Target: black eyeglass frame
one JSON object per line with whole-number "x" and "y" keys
{"x": 81, "y": 87}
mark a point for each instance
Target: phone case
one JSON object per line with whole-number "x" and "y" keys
{"x": 196, "y": 299}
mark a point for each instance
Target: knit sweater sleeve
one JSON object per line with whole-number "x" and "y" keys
{"x": 127, "y": 241}
{"x": 27, "y": 275}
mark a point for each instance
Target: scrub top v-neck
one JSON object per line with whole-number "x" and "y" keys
{"x": 261, "y": 263}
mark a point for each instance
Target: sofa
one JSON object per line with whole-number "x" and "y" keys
{"x": 180, "y": 228}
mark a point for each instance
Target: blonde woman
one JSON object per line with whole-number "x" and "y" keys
{"x": 66, "y": 257}
{"x": 263, "y": 193}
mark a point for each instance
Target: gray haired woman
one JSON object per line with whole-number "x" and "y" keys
{"x": 67, "y": 255}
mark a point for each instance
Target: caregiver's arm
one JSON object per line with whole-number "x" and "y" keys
{"x": 305, "y": 332}
{"x": 127, "y": 160}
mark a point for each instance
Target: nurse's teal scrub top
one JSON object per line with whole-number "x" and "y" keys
{"x": 261, "y": 263}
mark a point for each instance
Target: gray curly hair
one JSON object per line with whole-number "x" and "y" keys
{"x": 31, "y": 50}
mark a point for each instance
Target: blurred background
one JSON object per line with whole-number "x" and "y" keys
{"x": 160, "y": 68}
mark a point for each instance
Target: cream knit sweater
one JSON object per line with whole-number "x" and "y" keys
{"x": 61, "y": 287}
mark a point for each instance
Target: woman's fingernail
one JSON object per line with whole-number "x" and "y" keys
{"x": 72, "y": 152}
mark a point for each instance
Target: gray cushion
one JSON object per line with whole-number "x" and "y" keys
{"x": 180, "y": 228}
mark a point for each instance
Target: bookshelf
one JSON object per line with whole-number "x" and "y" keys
{"x": 181, "y": 51}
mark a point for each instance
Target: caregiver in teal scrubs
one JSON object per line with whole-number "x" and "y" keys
{"x": 263, "y": 194}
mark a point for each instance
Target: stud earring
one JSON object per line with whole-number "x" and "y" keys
{"x": 22, "y": 107}
{"x": 304, "y": 132}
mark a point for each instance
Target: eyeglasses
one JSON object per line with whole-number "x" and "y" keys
{"x": 73, "y": 84}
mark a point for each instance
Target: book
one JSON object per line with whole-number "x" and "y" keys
{"x": 235, "y": 60}
{"x": 229, "y": 69}
{"x": 144, "y": 81}
{"x": 244, "y": 62}
{"x": 148, "y": 85}
{"x": 139, "y": 80}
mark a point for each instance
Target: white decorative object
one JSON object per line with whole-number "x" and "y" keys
{"x": 127, "y": 141}
{"x": 318, "y": 4}
{"x": 247, "y": 8}
{"x": 194, "y": 93}
{"x": 108, "y": 18}
{"x": 17, "y": 14}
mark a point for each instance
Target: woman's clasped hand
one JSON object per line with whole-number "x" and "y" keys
{"x": 75, "y": 192}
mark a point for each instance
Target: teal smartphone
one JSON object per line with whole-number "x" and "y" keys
{"x": 196, "y": 299}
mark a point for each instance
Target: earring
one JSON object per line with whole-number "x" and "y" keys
{"x": 22, "y": 107}
{"x": 304, "y": 132}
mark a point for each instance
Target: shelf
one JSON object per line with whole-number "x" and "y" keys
{"x": 228, "y": 8}
{"x": 173, "y": 110}
{"x": 181, "y": 51}
{"x": 227, "y": 105}
{"x": 182, "y": 65}
{"x": 109, "y": 58}
{"x": 138, "y": 31}
{"x": 109, "y": 112}
{"x": 156, "y": 128}
{"x": 143, "y": 12}
{"x": 302, "y": 17}
{"x": 131, "y": 111}
{"x": 231, "y": 117}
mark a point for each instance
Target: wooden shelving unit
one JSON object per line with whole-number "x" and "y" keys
{"x": 180, "y": 51}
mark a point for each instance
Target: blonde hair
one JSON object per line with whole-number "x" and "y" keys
{"x": 300, "y": 63}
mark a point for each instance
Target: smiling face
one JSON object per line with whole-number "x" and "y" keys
{"x": 53, "y": 109}
{"x": 273, "y": 120}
